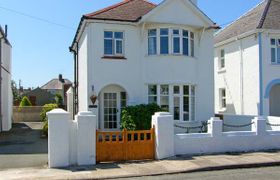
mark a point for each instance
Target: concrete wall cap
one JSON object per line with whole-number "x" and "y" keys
{"x": 85, "y": 113}
{"x": 57, "y": 112}
{"x": 162, "y": 114}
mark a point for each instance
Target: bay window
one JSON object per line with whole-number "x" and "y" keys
{"x": 275, "y": 51}
{"x": 180, "y": 41}
{"x": 113, "y": 43}
{"x": 179, "y": 100}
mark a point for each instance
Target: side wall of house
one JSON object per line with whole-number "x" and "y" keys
{"x": 83, "y": 72}
{"x": 7, "y": 97}
{"x": 240, "y": 77}
{"x": 271, "y": 72}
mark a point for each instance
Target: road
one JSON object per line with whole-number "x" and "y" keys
{"x": 266, "y": 173}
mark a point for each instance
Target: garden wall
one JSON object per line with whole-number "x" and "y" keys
{"x": 26, "y": 114}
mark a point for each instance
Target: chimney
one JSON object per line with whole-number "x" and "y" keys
{"x": 6, "y": 31}
{"x": 194, "y": 2}
{"x": 60, "y": 78}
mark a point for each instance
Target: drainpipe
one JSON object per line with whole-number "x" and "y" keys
{"x": 260, "y": 74}
{"x": 76, "y": 57}
{"x": 241, "y": 78}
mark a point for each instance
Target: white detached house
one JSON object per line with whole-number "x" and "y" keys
{"x": 247, "y": 63}
{"x": 136, "y": 52}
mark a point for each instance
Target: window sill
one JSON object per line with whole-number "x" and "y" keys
{"x": 275, "y": 64}
{"x": 114, "y": 58}
{"x": 168, "y": 55}
{"x": 222, "y": 110}
{"x": 223, "y": 70}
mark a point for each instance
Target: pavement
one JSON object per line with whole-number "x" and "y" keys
{"x": 175, "y": 165}
{"x": 23, "y": 146}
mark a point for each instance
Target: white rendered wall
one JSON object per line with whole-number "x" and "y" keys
{"x": 7, "y": 97}
{"x": 270, "y": 71}
{"x": 83, "y": 72}
{"x": 233, "y": 75}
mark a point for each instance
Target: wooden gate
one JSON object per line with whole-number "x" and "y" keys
{"x": 125, "y": 145}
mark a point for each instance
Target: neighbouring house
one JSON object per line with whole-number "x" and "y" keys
{"x": 58, "y": 86}
{"x": 40, "y": 97}
{"x": 247, "y": 63}
{"x": 136, "y": 52}
{"x": 6, "y": 96}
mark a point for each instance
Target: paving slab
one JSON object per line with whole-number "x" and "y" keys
{"x": 180, "y": 164}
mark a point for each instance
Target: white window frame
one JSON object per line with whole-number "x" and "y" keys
{"x": 114, "y": 46}
{"x": 171, "y": 95}
{"x": 153, "y": 95}
{"x": 192, "y": 46}
{"x": 276, "y": 46}
{"x": 180, "y": 41}
{"x": 223, "y": 99}
{"x": 222, "y": 59}
{"x": 153, "y": 36}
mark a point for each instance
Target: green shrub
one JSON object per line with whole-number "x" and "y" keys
{"x": 46, "y": 108}
{"x": 59, "y": 100}
{"x": 138, "y": 117}
{"x": 25, "y": 102}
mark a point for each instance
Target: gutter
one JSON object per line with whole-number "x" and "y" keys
{"x": 241, "y": 77}
{"x": 1, "y": 128}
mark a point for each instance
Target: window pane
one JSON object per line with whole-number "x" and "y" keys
{"x": 192, "y": 35}
{"x": 186, "y": 104}
{"x": 164, "y": 31}
{"x": 185, "y": 46}
{"x": 278, "y": 55}
{"x": 185, "y": 33}
{"x": 176, "y": 89}
{"x": 192, "y": 48}
{"x": 273, "y": 57}
{"x": 176, "y": 45}
{"x": 186, "y": 90}
{"x": 193, "y": 108}
{"x": 152, "y": 89}
{"x": 164, "y": 89}
{"x": 152, "y": 45}
{"x": 164, "y": 45}
{"x": 273, "y": 42}
{"x": 152, "y": 99}
{"x": 108, "y": 46}
{"x": 193, "y": 90}
{"x": 119, "y": 35}
{"x": 164, "y": 103}
{"x": 222, "y": 53}
{"x": 152, "y": 32}
{"x": 108, "y": 34}
{"x": 119, "y": 46}
{"x": 175, "y": 32}
{"x": 176, "y": 108}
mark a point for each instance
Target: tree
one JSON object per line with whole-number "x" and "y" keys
{"x": 25, "y": 102}
{"x": 16, "y": 95}
{"x": 59, "y": 100}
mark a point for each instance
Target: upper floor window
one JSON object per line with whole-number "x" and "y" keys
{"x": 113, "y": 43}
{"x": 152, "y": 42}
{"x": 172, "y": 41}
{"x": 275, "y": 51}
{"x": 222, "y": 59}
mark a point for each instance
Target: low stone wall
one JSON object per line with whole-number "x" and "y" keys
{"x": 26, "y": 114}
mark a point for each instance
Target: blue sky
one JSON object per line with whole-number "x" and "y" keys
{"x": 40, "y": 49}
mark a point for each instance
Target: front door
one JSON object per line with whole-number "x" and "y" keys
{"x": 111, "y": 111}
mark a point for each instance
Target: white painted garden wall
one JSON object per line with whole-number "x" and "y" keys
{"x": 215, "y": 140}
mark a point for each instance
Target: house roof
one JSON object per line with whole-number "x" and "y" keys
{"x": 127, "y": 10}
{"x": 56, "y": 84}
{"x": 265, "y": 15}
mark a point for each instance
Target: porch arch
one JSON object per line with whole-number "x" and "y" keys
{"x": 270, "y": 86}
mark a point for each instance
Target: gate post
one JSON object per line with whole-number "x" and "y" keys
{"x": 59, "y": 139}
{"x": 86, "y": 138}
{"x": 164, "y": 135}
